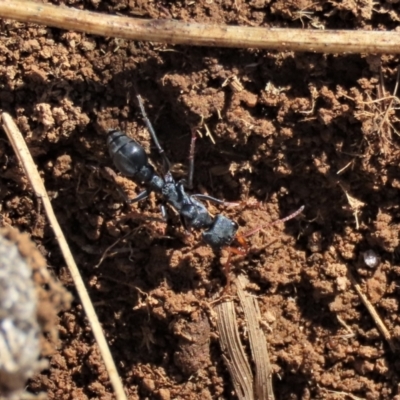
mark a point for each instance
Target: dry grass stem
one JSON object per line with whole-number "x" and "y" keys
{"x": 354, "y": 205}
{"x": 374, "y": 314}
{"x": 385, "y": 125}
{"x": 378, "y": 115}
{"x": 341, "y": 170}
{"x": 343, "y": 395}
{"x": 345, "y": 326}
{"x": 195, "y": 34}
{"x": 25, "y": 158}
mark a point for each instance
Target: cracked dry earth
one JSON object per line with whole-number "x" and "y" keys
{"x": 286, "y": 130}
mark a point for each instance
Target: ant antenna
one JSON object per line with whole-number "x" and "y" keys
{"x": 259, "y": 228}
{"x": 167, "y": 164}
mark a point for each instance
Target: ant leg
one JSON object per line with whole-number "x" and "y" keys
{"x": 163, "y": 213}
{"x": 141, "y": 196}
{"x": 260, "y": 227}
{"x": 244, "y": 247}
{"x": 167, "y": 164}
{"x": 227, "y": 265}
{"x": 214, "y": 200}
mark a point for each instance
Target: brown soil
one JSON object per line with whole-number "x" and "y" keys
{"x": 304, "y": 130}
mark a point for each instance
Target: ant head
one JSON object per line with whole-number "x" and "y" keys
{"x": 221, "y": 233}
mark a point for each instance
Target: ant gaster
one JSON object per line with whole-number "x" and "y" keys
{"x": 131, "y": 160}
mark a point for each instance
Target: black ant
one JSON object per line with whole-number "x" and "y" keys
{"x": 218, "y": 232}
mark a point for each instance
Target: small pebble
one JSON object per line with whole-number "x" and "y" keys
{"x": 149, "y": 385}
{"x": 371, "y": 259}
{"x": 164, "y": 394}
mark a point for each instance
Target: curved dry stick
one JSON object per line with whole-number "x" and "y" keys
{"x": 195, "y": 34}
{"x": 25, "y": 158}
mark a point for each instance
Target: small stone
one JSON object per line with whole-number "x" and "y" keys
{"x": 164, "y": 394}
{"x": 149, "y": 384}
{"x": 371, "y": 259}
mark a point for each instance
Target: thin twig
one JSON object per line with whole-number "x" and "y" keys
{"x": 25, "y": 158}
{"x": 195, "y": 34}
{"x": 107, "y": 250}
{"x": 374, "y": 314}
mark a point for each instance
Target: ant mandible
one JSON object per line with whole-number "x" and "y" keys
{"x": 219, "y": 232}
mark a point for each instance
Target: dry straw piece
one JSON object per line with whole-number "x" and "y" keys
{"x": 196, "y": 34}
{"x": 234, "y": 354}
{"x": 258, "y": 342}
{"x": 247, "y": 386}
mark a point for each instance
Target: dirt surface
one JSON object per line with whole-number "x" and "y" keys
{"x": 299, "y": 129}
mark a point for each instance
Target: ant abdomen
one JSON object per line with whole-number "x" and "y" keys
{"x": 128, "y": 156}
